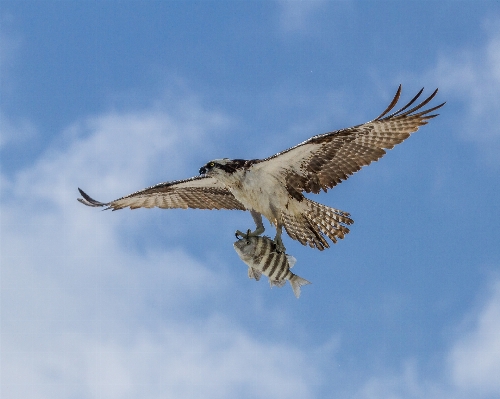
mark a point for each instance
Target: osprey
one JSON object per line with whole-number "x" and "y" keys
{"x": 274, "y": 186}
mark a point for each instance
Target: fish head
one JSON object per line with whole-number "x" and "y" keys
{"x": 245, "y": 247}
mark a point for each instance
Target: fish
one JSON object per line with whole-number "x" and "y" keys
{"x": 262, "y": 257}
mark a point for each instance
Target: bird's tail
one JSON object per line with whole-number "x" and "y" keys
{"x": 296, "y": 283}
{"x": 315, "y": 223}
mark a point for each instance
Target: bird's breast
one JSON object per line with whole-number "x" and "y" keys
{"x": 261, "y": 192}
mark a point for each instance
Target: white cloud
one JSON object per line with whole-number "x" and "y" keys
{"x": 472, "y": 75}
{"x": 84, "y": 315}
{"x": 210, "y": 359}
{"x": 470, "y": 369}
{"x": 295, "y": 14}
{"x": 475, "y": 359}
{"x": 119, "y": 151}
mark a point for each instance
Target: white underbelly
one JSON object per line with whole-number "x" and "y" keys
{"x": 262, "y": 193}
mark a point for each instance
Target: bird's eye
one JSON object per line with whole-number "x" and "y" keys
{"x": 211, "y": 164}
{"x": 248, "y": 242}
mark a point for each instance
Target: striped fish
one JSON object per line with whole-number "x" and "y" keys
{"x": 261, "y": 256}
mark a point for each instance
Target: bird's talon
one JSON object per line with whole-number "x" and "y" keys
{"x": 278, "y": 243}
{"x": 249, "y": 233}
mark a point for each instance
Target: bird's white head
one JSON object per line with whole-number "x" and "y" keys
{"x": 222, "y": 167}
{"x": 212, "y": 167}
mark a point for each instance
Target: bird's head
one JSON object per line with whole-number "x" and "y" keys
{"x": 213, "y": 167}
{"x": 222, "y": 166}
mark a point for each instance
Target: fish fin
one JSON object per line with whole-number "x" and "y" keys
{"x": 281, "y": 283}
{"x": 291, "y": 261}
{"x": 277, "y": 283}
{"x": 254, "y": 273}
{"x": 296, "y": 283}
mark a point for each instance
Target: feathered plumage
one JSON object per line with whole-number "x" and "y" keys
{"x": 274, "y": 186}
{"x": 201, "y": 192}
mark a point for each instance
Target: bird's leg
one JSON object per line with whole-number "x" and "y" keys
{"x": 277, "y": 240}
{"x": 257, "y": 218}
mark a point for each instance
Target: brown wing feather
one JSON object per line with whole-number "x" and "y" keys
{"x": 326, "y": 160}
{"x": 197, "y": 192}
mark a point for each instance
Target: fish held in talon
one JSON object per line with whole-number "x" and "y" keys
{"x": 263, "y": 257}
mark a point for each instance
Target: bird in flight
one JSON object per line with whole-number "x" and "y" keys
{"x": 274, "y": 187}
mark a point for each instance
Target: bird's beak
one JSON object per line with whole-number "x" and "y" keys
{"x": 203, "y": 170}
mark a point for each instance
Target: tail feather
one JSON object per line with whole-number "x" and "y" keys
{"x": 316, "y": 222}
{"x": 300, "y": 228}
{"x": 296, "y": 283}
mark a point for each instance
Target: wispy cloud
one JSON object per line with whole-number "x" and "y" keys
{"x": 85, "y": 314}
{"x": 295, "y": 15}
{"x": 472, "y": 76}
{"x": 475, "y": 359}
{"x": 469, "y": 369}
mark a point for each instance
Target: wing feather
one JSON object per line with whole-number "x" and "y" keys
{"x": 327, "y": 159}
{"x": 197, "y": 192}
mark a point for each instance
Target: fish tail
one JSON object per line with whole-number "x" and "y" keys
{"x": 296, "y": 283}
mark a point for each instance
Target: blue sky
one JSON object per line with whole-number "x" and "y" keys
{"x": 119, "y": 95}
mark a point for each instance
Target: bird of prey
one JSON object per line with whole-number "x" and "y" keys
{"x": 275, "y": 186}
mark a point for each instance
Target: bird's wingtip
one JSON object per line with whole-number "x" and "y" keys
{"x": 88, "y": 200}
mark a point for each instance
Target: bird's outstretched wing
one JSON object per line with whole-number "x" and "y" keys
{"x": 327, "y": 159}
{"x": 197, "y": 192}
